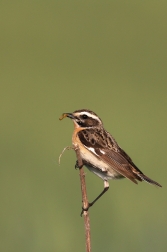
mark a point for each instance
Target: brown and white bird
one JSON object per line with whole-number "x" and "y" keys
{"x": 100, "y": 152}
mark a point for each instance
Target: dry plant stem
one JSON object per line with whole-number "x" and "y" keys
{"x": 85, "y": 203}
{"x": 66, "y": 148}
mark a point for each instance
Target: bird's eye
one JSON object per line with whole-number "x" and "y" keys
{"x": 84, "y": 116}
{"x": 80, "y": 123}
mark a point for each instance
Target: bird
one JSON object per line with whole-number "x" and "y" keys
{"x": 100, "y": 152}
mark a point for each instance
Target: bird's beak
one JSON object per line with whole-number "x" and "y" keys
{"x": 69, "y": 115}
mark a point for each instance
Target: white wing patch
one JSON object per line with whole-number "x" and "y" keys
{"x": 92, "y": 149}
{"x": 103, "y": 152}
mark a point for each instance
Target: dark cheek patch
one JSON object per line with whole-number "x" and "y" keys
{"x": 92, "y": 122}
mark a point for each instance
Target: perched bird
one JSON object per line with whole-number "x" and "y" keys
{"x": 100, "y": 152}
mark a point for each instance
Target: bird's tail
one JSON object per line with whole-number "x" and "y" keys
{"x": 148, "y": 180}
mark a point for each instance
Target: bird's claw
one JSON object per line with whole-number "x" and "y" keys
{"x": 85, "y": 209}
{"x": 77, "y": 165}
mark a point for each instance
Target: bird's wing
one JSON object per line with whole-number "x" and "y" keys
{"x": 124, "y": 165}
{"x": 113, "y": 156}
{"x": 102, "y": 144}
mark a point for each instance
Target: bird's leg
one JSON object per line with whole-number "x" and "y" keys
{"x": 106, "y": 187}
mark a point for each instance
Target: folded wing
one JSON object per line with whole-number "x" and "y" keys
{"x": 113, "y": 155}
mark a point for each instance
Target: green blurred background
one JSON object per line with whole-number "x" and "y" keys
{"x": 59, "y": 56}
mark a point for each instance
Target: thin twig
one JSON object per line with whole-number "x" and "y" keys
{"x": 66, "y": 148}
{"x": 84, "y": 200}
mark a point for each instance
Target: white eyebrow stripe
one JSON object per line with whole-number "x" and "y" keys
{"x": 89, "y": 115}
